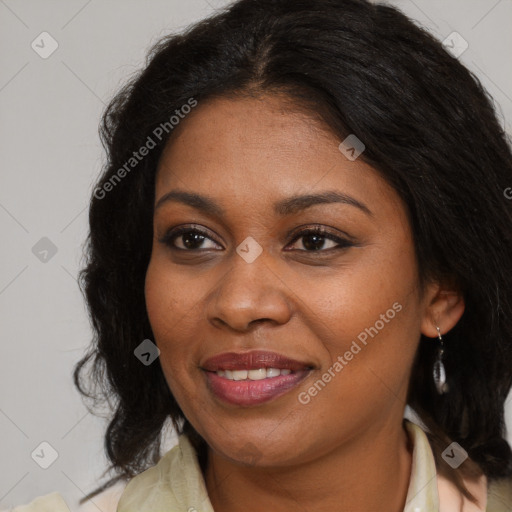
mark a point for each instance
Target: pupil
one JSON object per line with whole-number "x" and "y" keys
{"x": 317, "y": 244}
{"x": 311, "y": 242}
{"x": 195, "y": 237}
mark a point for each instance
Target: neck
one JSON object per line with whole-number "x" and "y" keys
{"x": 374, "y": 469}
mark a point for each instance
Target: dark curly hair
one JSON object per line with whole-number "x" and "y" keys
{"x": 429, "y": 128}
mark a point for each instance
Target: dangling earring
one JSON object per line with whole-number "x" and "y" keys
{"x": 439, "y": 371}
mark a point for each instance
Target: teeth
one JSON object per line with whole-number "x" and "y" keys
{"x": 239, "y": 374}
{"x": 273, "y": 372}
{"x": 259, "y": 374}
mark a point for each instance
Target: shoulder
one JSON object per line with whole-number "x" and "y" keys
{"x": 147, "y": 488}
{"x": 174, "y": 481}
{"x": 53, "y": 502}
{"x": 499, "y": 495}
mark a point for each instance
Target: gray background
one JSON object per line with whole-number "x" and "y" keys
{"x": 50, "y": 154}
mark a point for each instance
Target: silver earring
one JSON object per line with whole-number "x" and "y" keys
{"x": 439, "y": 371}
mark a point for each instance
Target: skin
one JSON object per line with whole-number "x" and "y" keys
{"x": 347, "y": 448}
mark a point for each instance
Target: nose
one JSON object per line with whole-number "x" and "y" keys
{"x": 250, "y": 293}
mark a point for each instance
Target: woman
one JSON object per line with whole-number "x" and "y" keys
{"x": 302, "y": 228}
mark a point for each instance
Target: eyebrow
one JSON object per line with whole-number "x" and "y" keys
{"x": 289, "y": 206}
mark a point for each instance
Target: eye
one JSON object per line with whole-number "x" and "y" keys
{"x": 191, "y": 238}
{"x": 314, "y": 240}
{"x": 194, "y": 238}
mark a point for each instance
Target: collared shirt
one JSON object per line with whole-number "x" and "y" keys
{"x": 176, "y": 484}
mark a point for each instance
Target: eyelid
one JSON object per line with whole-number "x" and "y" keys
{"x": 325, "y": 231}
{"x": 175, "y": 232}
{"x": 343, "y": 241}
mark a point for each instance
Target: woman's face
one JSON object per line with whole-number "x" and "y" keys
{"x": 343, "y": 305}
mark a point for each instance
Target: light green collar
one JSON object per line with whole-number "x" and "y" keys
{"x": 422, "y": 494}
{"x": 176, "y": 483}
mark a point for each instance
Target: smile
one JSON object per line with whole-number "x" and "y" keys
{"x": 259, "y": 374}
{"x": 246, "y": 388}
{"x": 252, "y": 378}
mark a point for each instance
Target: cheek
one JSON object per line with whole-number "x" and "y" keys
{"x": 370, "y": 316}
{"x": 174, "y": 306}
{"x": 159, "y": 299}
{"x": 170, "y": 298}
{"x": 167, "y": 304}
{"x": 359, "y": 294}
{"x": 365, "y": 373}
{"x": 165, "y": 309}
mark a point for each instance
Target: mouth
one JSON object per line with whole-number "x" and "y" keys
{"x": 255, "y": 374}
{"x": 253, "y": 378}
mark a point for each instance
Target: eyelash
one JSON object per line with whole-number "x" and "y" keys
{"x": 169, "y": 238}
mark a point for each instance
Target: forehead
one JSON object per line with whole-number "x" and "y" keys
{"x": 242, "y": 129}
{"x": 250, "y": 150}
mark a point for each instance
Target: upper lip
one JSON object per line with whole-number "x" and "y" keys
{"x": 252, "y": 361}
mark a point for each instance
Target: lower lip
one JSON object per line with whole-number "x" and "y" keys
{"x": 253, "y": 392}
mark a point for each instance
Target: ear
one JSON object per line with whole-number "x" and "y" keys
{"x": 443, "y": 307}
